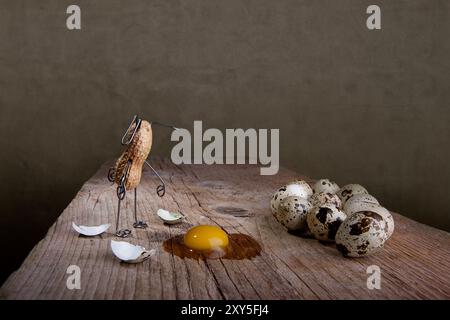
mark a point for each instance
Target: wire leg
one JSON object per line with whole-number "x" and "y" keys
{"x": 122, "y": 233}
{"x": 135, "y": 204}
{"x": 118, "y": 214}
{"x": 137, "y": 224}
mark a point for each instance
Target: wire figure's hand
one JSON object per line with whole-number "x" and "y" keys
{"x": 121, "y": 190}
{"x": 111, "y": 174}
{"x": 161, "y": 189}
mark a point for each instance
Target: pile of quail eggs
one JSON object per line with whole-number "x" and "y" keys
{"x": 349, "y": 216}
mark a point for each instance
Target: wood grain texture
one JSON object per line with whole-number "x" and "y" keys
{"x": 415, "y": 263}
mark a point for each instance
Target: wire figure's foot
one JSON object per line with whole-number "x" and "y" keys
{"x": 140, "y": 225}
{"x": 123, "y": 233}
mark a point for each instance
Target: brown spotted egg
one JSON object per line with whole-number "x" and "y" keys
{"x": 362, "y": 234}
{"x": 292, "y": 213}
{"x": 297, "y": 188}
{"x": 325, "y": 185}
{"x": 387, "y": 221}
{"x": 321, "y": 198}
{"x": 324, "y": 221}
{"x": 349, "y": 190}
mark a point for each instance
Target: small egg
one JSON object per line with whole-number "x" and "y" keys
{"x": 324, "y": 221}
{"x": 206, "y": 238}
{"x": 325, "y": 185}
{"x": 306, "y": 189}
{"x": 379, "y": 213}
{"x": 349, "y": 190}
{"x": 296, "y": 188}
{"x": 360, "y": 235}
{"x": 359, "y": 198}
{"x": 292, "y": 212}
{"x": 321, "y": 198}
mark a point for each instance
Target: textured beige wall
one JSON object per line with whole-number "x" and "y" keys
{"x": 352, "y": 104}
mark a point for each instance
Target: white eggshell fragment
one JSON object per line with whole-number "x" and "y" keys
{"x": 324, "y": 221}
{"x": 325, "y": 185}
{"x": 169, "y": 217}
{"x": 292, "y": 213}
{"x": 349, "y": 190}
{"x": 297, "y": 188}
{"x": 360, "y": 235}
{"x": 130, "y": 253}
{"x": 90, "y": 231}
{"x": 321, "y": 198}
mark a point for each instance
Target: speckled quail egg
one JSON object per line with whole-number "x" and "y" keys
{"x": 360, "y": 235}
{"x": 292, "y": 212}
{"x": 297, "y": 188}
{"x": 349, "y": 190}
{"x": 380, "y": 213}
{"x": 324, "y": 221}
{"x": 318, "y": 199}
{"x": 305, "y": 187}
{"x": 358, "y": 198}
{"x": 325, "y": 185}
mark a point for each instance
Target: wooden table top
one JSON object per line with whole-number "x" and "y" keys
{"x": 415, "y": 263}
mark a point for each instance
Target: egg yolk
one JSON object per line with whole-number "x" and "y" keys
{"x": 206, "y": 238}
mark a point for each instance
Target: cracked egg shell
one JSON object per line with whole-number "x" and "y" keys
{"x": 297, "y": 188}
{"x": 292, "y": 212}
{"x": 325, "y": 185}
{"x": 324, "y": 221}
{"x": 321, "y": 198}
{"x": 90, "y": 231}
{"x": 349, "y": 190}
{"x": 382, "y": 214}
{"x": 169, "y": 217}
{"x": 130, "y": 253}
{"x": 360, "y": 235}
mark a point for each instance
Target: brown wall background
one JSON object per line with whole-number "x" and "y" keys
{"x": 355, "y": 105}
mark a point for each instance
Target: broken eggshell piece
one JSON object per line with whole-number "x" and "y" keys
{"x": 130, "y": 253}
{"x": 169, "y": 217}
{"x": 90, "y": 231}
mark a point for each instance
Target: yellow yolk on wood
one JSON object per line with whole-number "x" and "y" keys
{"x": 205, "y": 238}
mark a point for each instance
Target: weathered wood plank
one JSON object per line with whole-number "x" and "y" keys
{"x": 415, "y": 262}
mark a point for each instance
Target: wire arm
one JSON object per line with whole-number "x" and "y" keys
{"x": 161, "y": 189}
{"x": 164, "y": 125}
